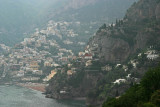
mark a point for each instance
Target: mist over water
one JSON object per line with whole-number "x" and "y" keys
{"x": 15, "y": 96}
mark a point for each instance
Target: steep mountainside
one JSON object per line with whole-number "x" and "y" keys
{"x": 138, "y": 30}
{"x": 114, "y": 59}
{"x": 87, "y": 16}
{"x": 19, "y": 18}
{"x": 145, "y": 94}
{"x": 92, "y": 10}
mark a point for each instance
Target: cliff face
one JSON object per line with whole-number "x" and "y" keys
{"x": 139, "y": 27}
{"x": 111, "y": 49}
{"x": 74, "y": 87}
{"x": 144, "y": 9}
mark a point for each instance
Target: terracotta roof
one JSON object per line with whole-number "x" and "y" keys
{"x": 88, "y": 54}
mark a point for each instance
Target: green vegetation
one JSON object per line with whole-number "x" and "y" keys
{"x": 77, "y": 79}
{"x": 105, "y": 85}
{"x": 145, "y": 94}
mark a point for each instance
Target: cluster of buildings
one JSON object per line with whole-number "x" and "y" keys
{"x": 85, "y": 58}
{"x": 27, "y": 59}
{"x": 152, "y": 54}
{"x": 4, "y": 47}
{"x": 59, "y": 29}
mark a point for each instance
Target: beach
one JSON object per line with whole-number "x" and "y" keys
{"x": 35, "y": 86}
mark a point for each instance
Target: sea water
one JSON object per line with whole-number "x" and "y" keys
{"x": 15, "y": 96}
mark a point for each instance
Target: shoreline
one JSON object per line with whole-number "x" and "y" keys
{"x": 34, "y": 86}
{"x": 68, "y": 98}
{"x": 80, "y": 98}
{"x": 41, "y": 88}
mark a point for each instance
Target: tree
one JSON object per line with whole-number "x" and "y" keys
{"x": 145, "y": 94}
{"x": 117, "y": 93}
{"x": 155, "y": 98}
{"x": 151, "y": 80}
{"x": 148, "y": 105}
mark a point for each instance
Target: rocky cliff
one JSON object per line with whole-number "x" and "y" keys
{"x": 138, "y": 30}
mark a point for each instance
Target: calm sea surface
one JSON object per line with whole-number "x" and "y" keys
{"x": 14, "y": 96}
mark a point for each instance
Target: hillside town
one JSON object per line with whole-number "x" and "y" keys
{"x": 36, "y": 57}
